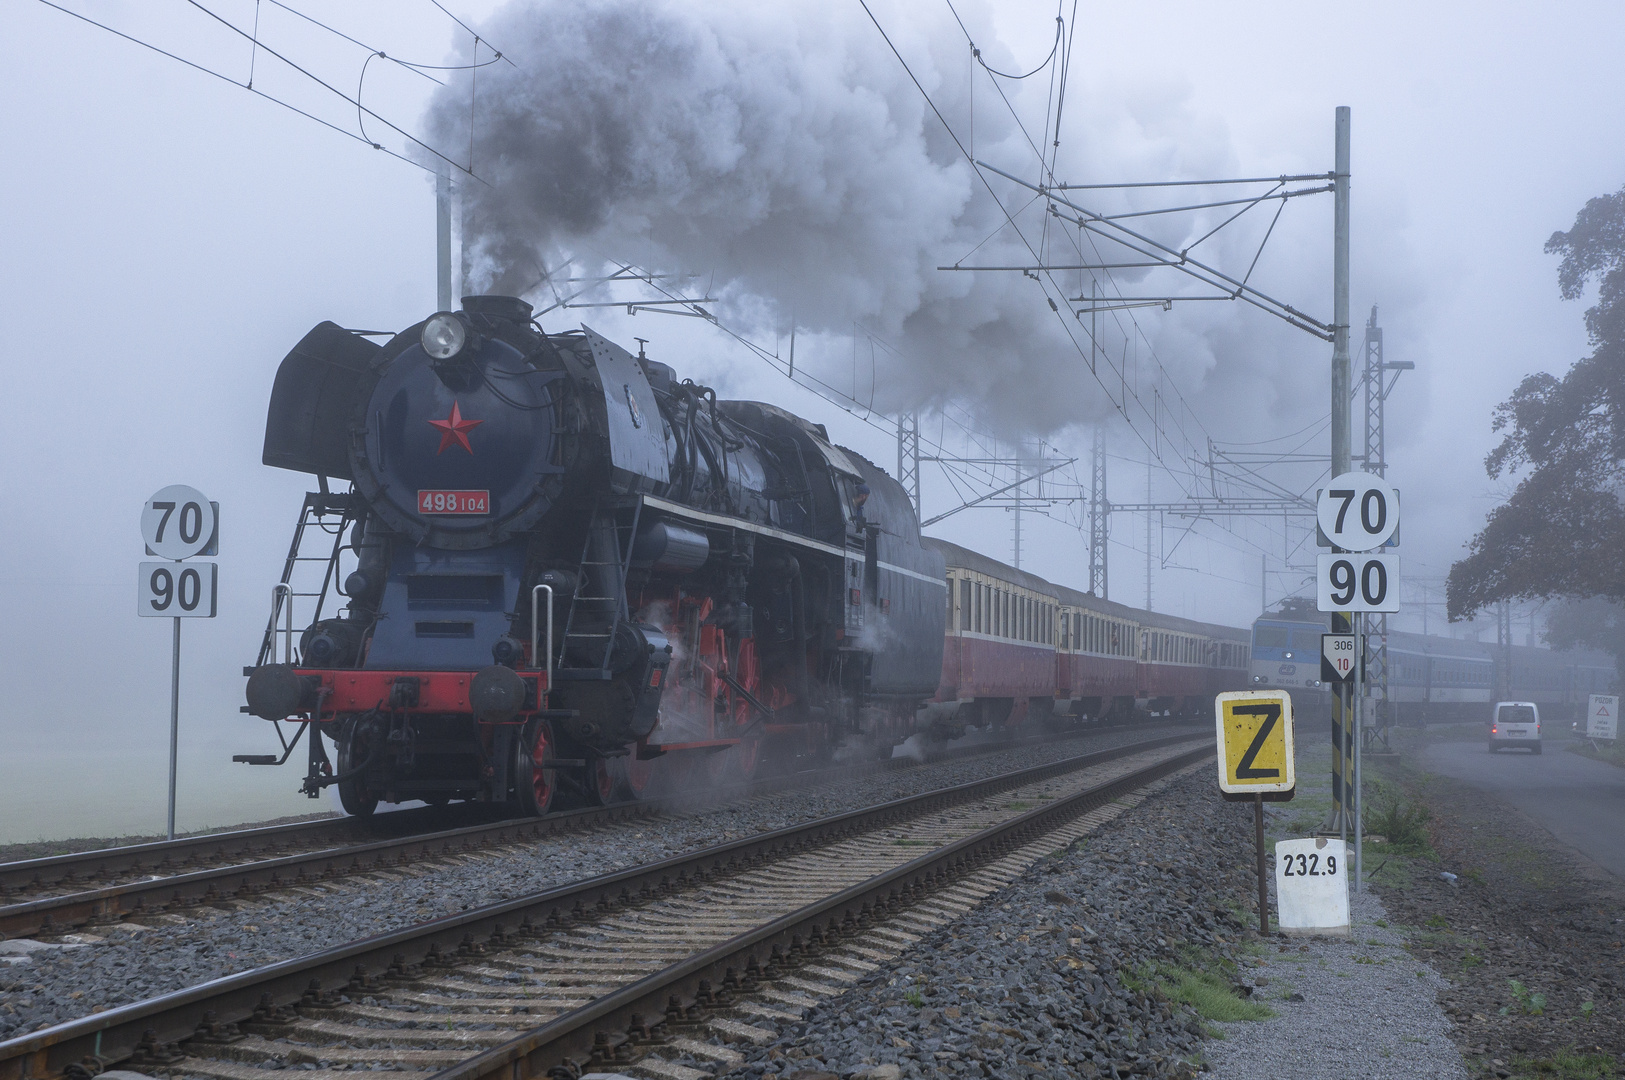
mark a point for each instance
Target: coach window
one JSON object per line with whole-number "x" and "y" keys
{"x": 964, "y": 604}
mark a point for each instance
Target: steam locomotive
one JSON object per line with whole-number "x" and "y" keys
{"x": 559, "y": 563}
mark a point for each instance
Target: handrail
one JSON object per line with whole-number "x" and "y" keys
{"x": 277, "y": 592}
{"x": 547, "y": 665}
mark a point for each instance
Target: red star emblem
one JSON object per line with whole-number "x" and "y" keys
{"x": 454, "y": 430}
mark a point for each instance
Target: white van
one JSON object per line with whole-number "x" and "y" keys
{"x": 1515, "y": 723}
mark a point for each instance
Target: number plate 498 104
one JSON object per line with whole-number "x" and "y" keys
{"x": 454, "y": 502}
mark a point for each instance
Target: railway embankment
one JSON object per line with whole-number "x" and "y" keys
{"x": 1125, "y": 946}
{"x": 1528, "y": 933}
{"x": 63, "y": 977}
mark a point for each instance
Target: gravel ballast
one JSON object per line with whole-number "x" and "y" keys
{"x": 1060, "y": 974}
{"x": 111, "y": 966}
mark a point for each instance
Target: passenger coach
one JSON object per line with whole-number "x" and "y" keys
{"x": 1018, "y": 646}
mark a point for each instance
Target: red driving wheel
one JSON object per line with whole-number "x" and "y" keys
{"x": 535, "y": 786}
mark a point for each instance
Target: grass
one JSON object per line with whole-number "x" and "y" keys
{"x": 1404, "y": 823}
{"x": 1207, "y": 993}
{"x": 1565, "y": 1065}
{"x": 1610, "y": 752}
{"x": 1201, "y": 982}
{"x": 1529, "y": 1002}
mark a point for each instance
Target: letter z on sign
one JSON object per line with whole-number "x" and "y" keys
{"x": 1255, "y": 741}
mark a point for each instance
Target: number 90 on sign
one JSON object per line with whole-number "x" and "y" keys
{"x": 173, "y": 590}
{"x": 1351, "y": 582}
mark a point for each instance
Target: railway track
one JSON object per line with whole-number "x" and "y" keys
{"x": 655, "y": 969}
{"x": 63, "y": 893}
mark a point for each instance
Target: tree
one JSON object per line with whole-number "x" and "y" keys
{"x": 1562, "y": 531}
{"x": 1594, "y": 623}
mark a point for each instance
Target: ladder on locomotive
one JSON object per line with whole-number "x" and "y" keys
{"x": 591, "y": 625}
{"x": 299, "y": 581}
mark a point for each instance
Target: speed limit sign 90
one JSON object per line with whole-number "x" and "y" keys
{"x": 1352, "y": 582}
{"x": 180, "y": 522}
{"x": 178, "y": 590}
{"x": 1357, "y": 511}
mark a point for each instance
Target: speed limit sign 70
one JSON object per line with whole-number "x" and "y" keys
{"x": 180, "y": 522}
{"x": 1357, "y": 511}
{"x": 1352, "y": 582}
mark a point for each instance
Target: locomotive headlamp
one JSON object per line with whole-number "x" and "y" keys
{"x": 444, "y": 336}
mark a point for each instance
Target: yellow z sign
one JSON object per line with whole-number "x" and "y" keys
{"x": 1255, "y": 741}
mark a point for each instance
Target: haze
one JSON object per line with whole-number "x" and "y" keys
{"x": 168, "y": 237}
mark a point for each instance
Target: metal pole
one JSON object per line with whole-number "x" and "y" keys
{"x": 1342, "y": 700}
{"x": 174, "y": 722}
{"x": 1148, "y": 537}
{"x": 442, "y": 236}
{"x": 1263, "y": 583}
{"x": 1263, "y": 888}
{"x": 1340, "y": 297}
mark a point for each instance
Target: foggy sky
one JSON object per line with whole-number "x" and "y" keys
{"x": 169, "y": 237}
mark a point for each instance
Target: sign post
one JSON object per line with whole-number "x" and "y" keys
{"x": 1602, "y": 717}
{"x": 178, "y": 523}
{"x": 1358, "y": 513}
{"x": 1255, "y": 763}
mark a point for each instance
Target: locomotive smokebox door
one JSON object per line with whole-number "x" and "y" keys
{"x": 637, "y": 439}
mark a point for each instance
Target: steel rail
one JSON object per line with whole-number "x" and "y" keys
{"x": 248, "y": 873}
{"x": 146, "y": 1032}
{"x": 604, "y": 1033}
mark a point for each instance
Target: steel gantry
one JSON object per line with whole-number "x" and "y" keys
{"x": 1377, "y": 386}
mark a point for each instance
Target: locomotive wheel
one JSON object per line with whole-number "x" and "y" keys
{"x": 352, "y": 751}
{"x": 628, "y": 777}
{"x": 601, "y": 782}
{"x": 631, "y": 776}
{"x": 534, "y": 786}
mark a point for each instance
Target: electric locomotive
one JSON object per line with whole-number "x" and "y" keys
{"x": 559, "y": 563}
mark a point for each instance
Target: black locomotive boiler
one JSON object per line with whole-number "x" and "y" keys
{"x": 559, "y": 563}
